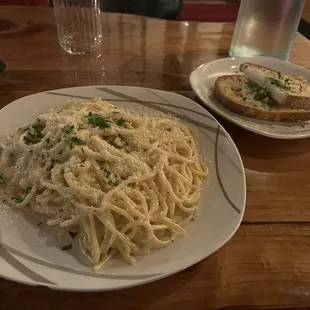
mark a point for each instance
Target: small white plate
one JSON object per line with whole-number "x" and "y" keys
{"x": 28, "y": 252}
{"x": 203, "y": 79}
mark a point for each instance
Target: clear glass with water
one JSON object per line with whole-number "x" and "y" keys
{"x": 78, "y": 25}
{"x": 266, "y": 28}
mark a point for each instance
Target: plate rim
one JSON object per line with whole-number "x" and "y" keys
{"x": 161, "y": 275}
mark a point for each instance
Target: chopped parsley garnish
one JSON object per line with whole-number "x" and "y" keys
{"x": 28, "y": 190}
{"x": 34, "y": 134}
{"x": 77, "y": 141}
{"x": 74, "y": 141}
{"x": 120, "y": 122}
{"x": 67, "y": 247}
{"x": 68, "y": 129}
{"x": 253, "y": 86}
{"x": 259, "y": 93}
{"x": 280, "y": 77}
{"x": 260, "y": 96}
{"x": 21, "y": 199}
{"x": 39, "y": 224}
{"x": 72, "y": 234}
{"x": 38, "y": 128}
{"x": 279, "y": 84}
{"x": 107, "y": 172}
{"x": 97, "y": 121}
{"x": 169, "y": 129}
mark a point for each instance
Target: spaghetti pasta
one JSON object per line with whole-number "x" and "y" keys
{"x": 129, "y": 182}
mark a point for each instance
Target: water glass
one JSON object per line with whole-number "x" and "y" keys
{"x": 78, "y": 25}
{"x": 266, "y": 28}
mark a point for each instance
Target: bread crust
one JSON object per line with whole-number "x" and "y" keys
{"x": 273, "y": 115}
{"x": 297, "y": 102}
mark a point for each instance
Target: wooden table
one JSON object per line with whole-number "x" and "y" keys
{"x": 267, "y": 262}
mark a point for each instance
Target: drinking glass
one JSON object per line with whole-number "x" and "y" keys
{"x": 78, "y": 25}
{"x": 266, "y": 28}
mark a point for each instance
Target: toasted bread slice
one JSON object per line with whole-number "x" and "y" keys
{"x": 292, "y": 92}
{"x": 238, "y": 94}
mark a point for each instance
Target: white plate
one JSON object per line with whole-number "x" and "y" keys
{"x": 28, "y": 252}
{"x": 202, "y": 81}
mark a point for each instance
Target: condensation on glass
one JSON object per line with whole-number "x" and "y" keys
{"x": 78, "y": 25}
{"x": 266, "y": 28}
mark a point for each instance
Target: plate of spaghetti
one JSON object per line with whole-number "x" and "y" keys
{"x": 104, "y": 188}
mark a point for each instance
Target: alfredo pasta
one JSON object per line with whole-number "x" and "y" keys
{"x": 128, "y": 182}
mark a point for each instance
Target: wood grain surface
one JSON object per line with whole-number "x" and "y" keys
{"x": 267, "y": 262}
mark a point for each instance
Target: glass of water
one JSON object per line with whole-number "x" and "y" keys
{"x": 78, "y": 25}
{"x": 266, "y": 28}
